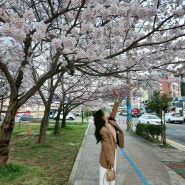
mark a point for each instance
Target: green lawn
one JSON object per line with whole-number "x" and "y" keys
{"x": 178, "y": 167}
{"x": 42, "y": 164}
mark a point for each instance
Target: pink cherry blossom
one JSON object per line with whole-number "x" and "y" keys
{"x": 56, "y": 43}
{"x": 28, "y": 14}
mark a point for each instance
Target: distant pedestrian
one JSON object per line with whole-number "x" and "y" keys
{"x": 110, "y": 135}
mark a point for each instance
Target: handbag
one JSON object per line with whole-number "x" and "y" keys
{"x": 110, "y": 175}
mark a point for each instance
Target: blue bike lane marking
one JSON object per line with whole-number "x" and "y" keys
{"x": 145, "y": 182}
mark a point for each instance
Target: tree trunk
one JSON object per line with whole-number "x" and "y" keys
{"x": 44, "y": 123}
{"x": 57, "y": 125}
{"x": 43, "y": 126}
{"x": 164, "y": 138}
{"x": 2, "y": 101}
{"x": 164, "y": 131}
{"x": 63, "y": 125}
{"x": 6, "y": 131}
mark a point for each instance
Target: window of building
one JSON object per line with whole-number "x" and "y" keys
{"x": 176, "y": 88}
{"x": 175, "y": 95}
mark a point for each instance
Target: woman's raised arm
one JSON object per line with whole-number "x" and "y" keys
{"x": 116, "y": 105}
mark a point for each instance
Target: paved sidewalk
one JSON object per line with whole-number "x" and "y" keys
{"x": 146, "y": 157}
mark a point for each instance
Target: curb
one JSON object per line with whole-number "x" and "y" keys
{"x": 175, "y": 178}
{"x": 175, "y": 144}
{"x": 72, "y": 176}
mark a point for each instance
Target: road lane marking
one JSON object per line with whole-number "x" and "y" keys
{"x": 175, "y": 144}
{"x": 178, "y": 144}
{"x": 180, "y": 130}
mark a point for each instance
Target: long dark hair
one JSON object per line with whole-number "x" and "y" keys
{"x": 99, "y": 122}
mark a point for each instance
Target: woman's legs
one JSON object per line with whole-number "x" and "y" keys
{"x": 103, "y": 180}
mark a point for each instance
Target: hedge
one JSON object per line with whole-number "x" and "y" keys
{"x": 149, "y": 130}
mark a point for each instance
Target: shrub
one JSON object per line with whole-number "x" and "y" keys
{"x": 152, "y": 129}
{"x": 149, "y": 130}
{"x": 142, "y": 130}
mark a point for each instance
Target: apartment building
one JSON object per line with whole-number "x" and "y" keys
{"x": 169, "y": 85}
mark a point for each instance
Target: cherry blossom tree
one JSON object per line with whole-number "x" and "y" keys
{"x": 74, "y": 91}
{"x": 95, "y": 37}
{"x": 81, "y": 89}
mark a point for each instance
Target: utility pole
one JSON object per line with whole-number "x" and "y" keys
{"x": 82, "y": 115}
{"x": 129, "y": 107}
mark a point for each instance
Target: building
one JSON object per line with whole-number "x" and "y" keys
{"x": 169, "y": 85}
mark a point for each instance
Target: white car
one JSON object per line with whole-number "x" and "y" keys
{"x": 174, "y": 117}
{"x": 1, "y": 117}
{"x": 149, "y": 119}
{"x": 70, "y": 116}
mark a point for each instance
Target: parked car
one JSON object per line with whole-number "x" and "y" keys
{"x": 52, "y": 113}
{"x": 149, "y": 119}
{"x": 1, "y": 117}
{"x": 174, "y": 117}
{"x": 20, "y": 114}
{"x": 70, "y": 116}
{"x": 79, "y": 113}
{"x": 123, "y": 112}
{"x": 136, "y": 112}
{"x": 25, "y": 117}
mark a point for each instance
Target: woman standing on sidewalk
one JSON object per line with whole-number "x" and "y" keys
{"x": 109, "y": 133}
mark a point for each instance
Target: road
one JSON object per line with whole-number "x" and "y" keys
{"x": 174, "y": 132}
